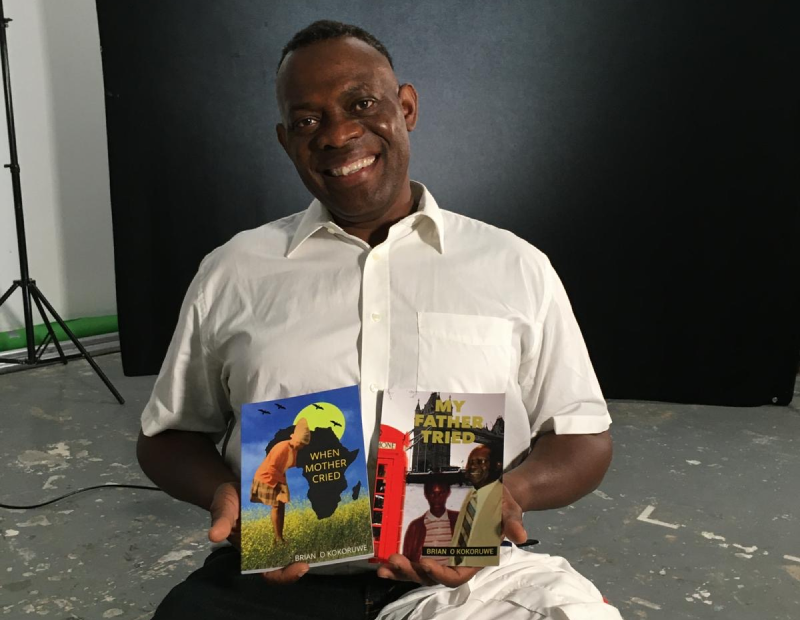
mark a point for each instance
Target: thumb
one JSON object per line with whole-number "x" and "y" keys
{"x": 224, "y": 512}
{"x": 514, "y": 529}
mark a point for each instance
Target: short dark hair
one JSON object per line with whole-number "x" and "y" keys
{"x": 432, "y": 482}
{"x": 326, "y": 29}
{"x": 495, "y": 448}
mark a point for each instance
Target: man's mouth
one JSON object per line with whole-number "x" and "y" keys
{"x": 353, "y": 167}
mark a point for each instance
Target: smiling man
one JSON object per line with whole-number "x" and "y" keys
{"x": 479, "y": 517}
{"x": 374, "y": 284}
{"x": 345, "y": 127}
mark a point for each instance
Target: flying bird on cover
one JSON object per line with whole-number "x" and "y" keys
{"x": 316, "y": 406}
{"x": 279, "y": 406}
{"x": 265, "y": 412}
{"x": 335, "y": 423}
{"x": 357, "y": 489}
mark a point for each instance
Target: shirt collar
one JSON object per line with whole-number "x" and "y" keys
{"x": 431, "y": 518}
{"x": 314, "y": 218}
{"x": 317, "y": 216}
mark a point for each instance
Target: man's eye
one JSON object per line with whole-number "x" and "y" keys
{"x": 304, "y": 123}
{"x": 364, "y": 104}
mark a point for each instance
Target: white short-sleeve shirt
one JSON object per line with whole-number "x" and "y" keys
{"x": 446, "y": 303}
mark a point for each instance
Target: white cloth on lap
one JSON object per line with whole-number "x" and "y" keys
{"x": 526, "y": 585}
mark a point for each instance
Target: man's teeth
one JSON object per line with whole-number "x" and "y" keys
{"x": 354, "y": 167}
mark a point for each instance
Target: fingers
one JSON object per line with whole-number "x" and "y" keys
{"x": 224, "y": 512}
{"x": 425, "y": 572}
{"x": 450, "y": 576}
{"x": 513, "y": 527}
{"x": 287, "y": 574}
{"x": 400, "y": 568}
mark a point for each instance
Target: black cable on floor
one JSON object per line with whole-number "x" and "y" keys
{"x": 99, "y": 486}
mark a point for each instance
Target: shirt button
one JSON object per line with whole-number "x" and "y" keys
{"x": 331, "y": 230}
{"x": 373, "y": 387}
{"x": 375, "y": 256}
{"x": 376, "y": 316}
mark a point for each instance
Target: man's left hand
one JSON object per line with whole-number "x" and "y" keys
{"x": 429, "y": 573}
{"x": 426, "y": 572}
{"x": 513, "y": 527}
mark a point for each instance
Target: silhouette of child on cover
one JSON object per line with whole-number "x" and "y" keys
{"x": 269, "y": 482}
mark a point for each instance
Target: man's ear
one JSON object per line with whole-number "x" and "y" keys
{"x": 281, "y": 131}
{"x": 409, "y": 103}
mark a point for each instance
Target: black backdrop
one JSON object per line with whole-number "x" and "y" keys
{"x": 649, "y": 148}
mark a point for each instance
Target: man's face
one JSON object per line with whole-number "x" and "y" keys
{"x": 345, "y": 127}
{"x": 437, "y": 495}
{"x": 480, "y": 469}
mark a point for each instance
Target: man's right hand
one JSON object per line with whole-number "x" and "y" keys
{"x": 225, "y": 524}
{"x": 225, "y": 515}
{"x": 287, "y": 574}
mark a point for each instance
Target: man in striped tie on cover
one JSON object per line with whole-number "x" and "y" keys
{"x": 479, "y": 521}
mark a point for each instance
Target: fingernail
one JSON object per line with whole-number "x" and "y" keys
{"x": 303, "y": 572}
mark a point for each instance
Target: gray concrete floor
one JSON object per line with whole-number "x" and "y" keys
{"x": 698, "y": 518}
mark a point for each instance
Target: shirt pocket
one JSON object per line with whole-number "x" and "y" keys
{"x": 463, "y": 353}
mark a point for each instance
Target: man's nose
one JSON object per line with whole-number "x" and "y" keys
{"x": 336, "y": 131}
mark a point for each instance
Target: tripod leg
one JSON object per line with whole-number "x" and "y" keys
{"x": 42, "y": 348}
{"x": 7, "y": 294}
{"x": 77, "y": 343}
{"x": 50, "y": 331}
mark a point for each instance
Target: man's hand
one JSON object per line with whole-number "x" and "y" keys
{"x": 287, "y": 574}
{"x": 225, "y": 515}
{"x": 225, "y": 524}
{"x": 513, "y": 528}
{"x": 426, "y": 572}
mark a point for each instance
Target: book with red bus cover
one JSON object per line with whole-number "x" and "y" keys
{"x": 438, "y": 489}
{"x": 304, "y": 483}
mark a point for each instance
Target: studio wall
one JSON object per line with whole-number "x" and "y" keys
{"x": 57, "y": 87}
{"x": 650, "y": 149}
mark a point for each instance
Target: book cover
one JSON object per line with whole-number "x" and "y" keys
{"x": 438, "y": 490}
{"x": 304, "y": 481}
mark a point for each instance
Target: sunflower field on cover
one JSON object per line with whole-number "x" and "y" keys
{"x": 304, "y": 533}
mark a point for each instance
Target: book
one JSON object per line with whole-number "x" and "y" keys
{"x": 304, "y": 484}
{"x": 438, "y": 488}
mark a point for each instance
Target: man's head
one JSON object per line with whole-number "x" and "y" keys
{"x": 482, "y": 467}
{"x": 437, "y": 492}
{"x": 345, "y": 123}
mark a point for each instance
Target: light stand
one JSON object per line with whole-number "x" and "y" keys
{"x": 30, "y": 292}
